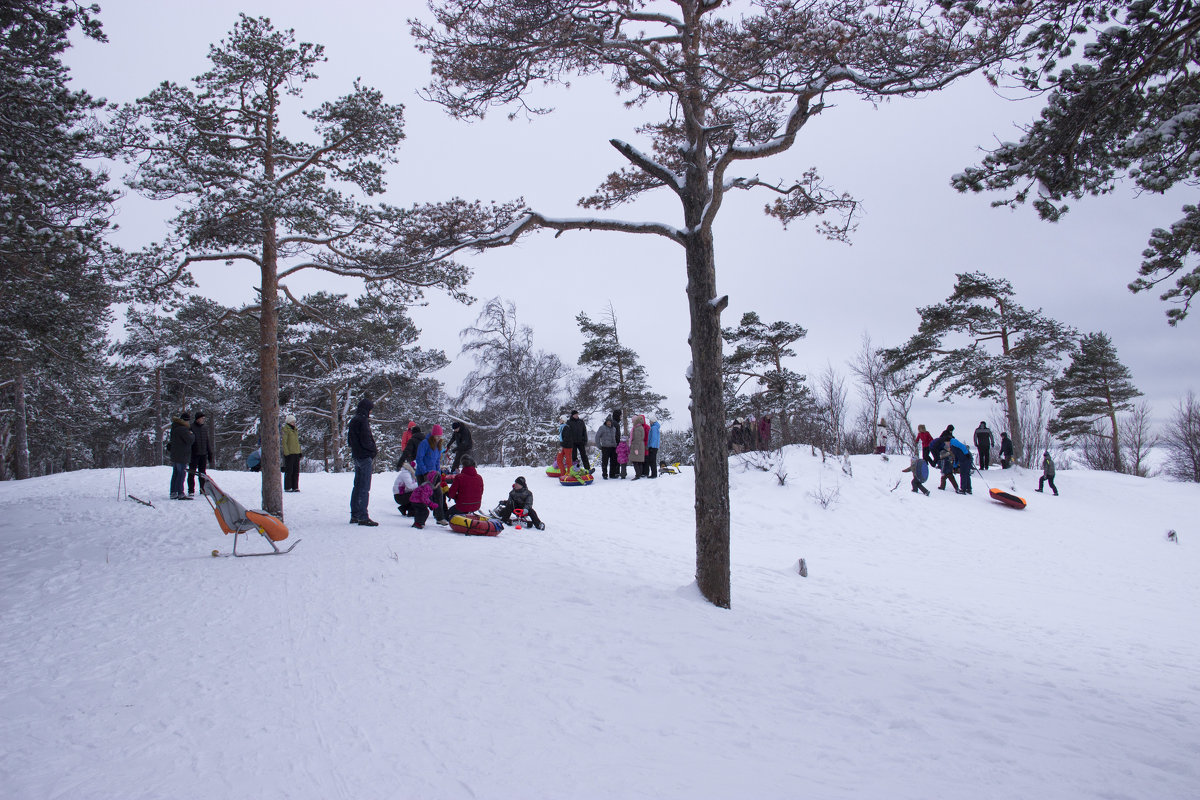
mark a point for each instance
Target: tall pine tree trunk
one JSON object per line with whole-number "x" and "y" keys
{"x": 160, "y": 443}
{"x": 21, "y": 426}
{"x": 708, "y": 421}
{"x": 272, "y": 481}
{"x": 335, "y": 429}
{"x": 1014, "y": 418}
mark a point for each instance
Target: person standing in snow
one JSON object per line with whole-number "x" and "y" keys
{"x": 925, "y": 439}
{"x": 1047, "y": 473}
{"x": 563, "y": 460}
{"x": 764, "y": 433}
{"x": 653, "y": 440}
{"x": 363, "y": 451}
{"x": 639, "y": 433}
{"x": 940, "y": 450}
{"x": 737, "y": 442}
{"x": 965, "y": 463}
{"x": 576, "y": 437}
{"x": 202, "y": 453}
{"x": 460, "y": 440}
{"x": 411, "y": 439}
{"x": 290, "y": 447}
{"x": 1005, "y": 451}
{"x": 179, "y": 445}
{"x": 983, "y": 442}
{"x": 623, "y": 458}
{"x": 606, "y": 440}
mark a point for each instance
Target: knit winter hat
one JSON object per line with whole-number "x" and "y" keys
{"x": 521, "y": 480}
{"x": 456, "y": 425}
{"x": 436, "y": 430}
{"x": 290, "y": 419}
{"x": 186, "y": 417}
{"x": 201, "y": 415}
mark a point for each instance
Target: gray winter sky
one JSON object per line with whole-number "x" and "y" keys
{"x": 915, "y": 231}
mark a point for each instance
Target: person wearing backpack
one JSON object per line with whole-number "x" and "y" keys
{"x": 920, "y": 472}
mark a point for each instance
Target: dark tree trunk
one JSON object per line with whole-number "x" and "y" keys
{"x": 335, "y": 429}
{"x": 160, "y": 450}
{"x": 21, "y": 425}
{"x": 272, "y": 480}
{"x": 708, "y": 423}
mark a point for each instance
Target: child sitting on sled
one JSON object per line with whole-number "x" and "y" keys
{"x": 519, "y": 498}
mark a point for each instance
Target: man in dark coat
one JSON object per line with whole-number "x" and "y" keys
{"x": 607, "y": 437}
{"x": 1005, "y": 451}
{"x": 983, "y": 442}
{"x": 179, "y": 445}
{"x": 202, "y": 453}
{"x": 576, "y": 437}
{"x": 460, "y": 440}
{"x": 409, "y": 454}
{"x": 363, "y": 451}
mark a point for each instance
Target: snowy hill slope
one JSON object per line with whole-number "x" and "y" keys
{"x": 941, "y": 647}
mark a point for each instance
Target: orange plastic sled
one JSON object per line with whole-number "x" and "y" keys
{"x": 235, "y": 518}
{"x": 1010, "y": 500}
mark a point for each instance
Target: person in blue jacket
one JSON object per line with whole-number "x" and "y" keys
{"x": 965, "y": 462}
{"x": 652, "y": 443}
{"x": 920, "y": 472}
{"x": 429, "y": 452}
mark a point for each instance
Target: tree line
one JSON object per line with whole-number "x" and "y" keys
{"x": 740, "y": 83}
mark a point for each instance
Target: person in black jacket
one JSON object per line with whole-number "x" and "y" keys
{"x": 1005, "y": 451}
{"x": 460, "y": 440}
{"x": 520, "y": 497}
{"x": 179, "y": 445}
{"x": 363, "y": 451}
{"x": 983, "y": 443}
{"x": 202, "y": 453}
{"x": 576, "y": 437}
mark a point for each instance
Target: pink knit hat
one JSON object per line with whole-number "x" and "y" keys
{"x": 436, "y": 430}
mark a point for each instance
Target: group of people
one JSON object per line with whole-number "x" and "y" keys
{"x": 949, "y": 456}
{"x": 747, "y": 434}
{"x": 421, "y": 489}
{"x": 617, "y": 453}
{"x": 190, "y": 448}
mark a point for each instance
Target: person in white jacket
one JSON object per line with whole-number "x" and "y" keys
{"x": 402, "y": 489}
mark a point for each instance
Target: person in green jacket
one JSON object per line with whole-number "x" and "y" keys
{"x": 291, "y": 455}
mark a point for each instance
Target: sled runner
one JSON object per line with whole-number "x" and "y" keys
{"x": 1010, "y": 500}
{"x": 235, "y": 518}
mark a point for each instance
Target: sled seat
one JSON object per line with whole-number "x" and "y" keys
{"x": 235, "y": 518}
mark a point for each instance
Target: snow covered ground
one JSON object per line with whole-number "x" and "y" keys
{"x": 941, "y": 647}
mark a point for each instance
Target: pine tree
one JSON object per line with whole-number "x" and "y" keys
{"x": 950, "y": 348}
{"x": 331, "y": 349}
{"x": 618, "y": 379}
{"x": 255, "y": 194}
{"x": 1095, "y": 386}
{"x": 518, "y": 388}
{"x": 734, "y": 85}
{"x": 1122, "y": 110}
{"x": 54, "y": 210}
{"x": 758, "y": 354}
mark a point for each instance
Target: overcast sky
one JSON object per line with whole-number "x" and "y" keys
{"x": 915, "y": 233}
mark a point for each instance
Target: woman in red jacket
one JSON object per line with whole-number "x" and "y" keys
{"x": 466, "y": 492}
